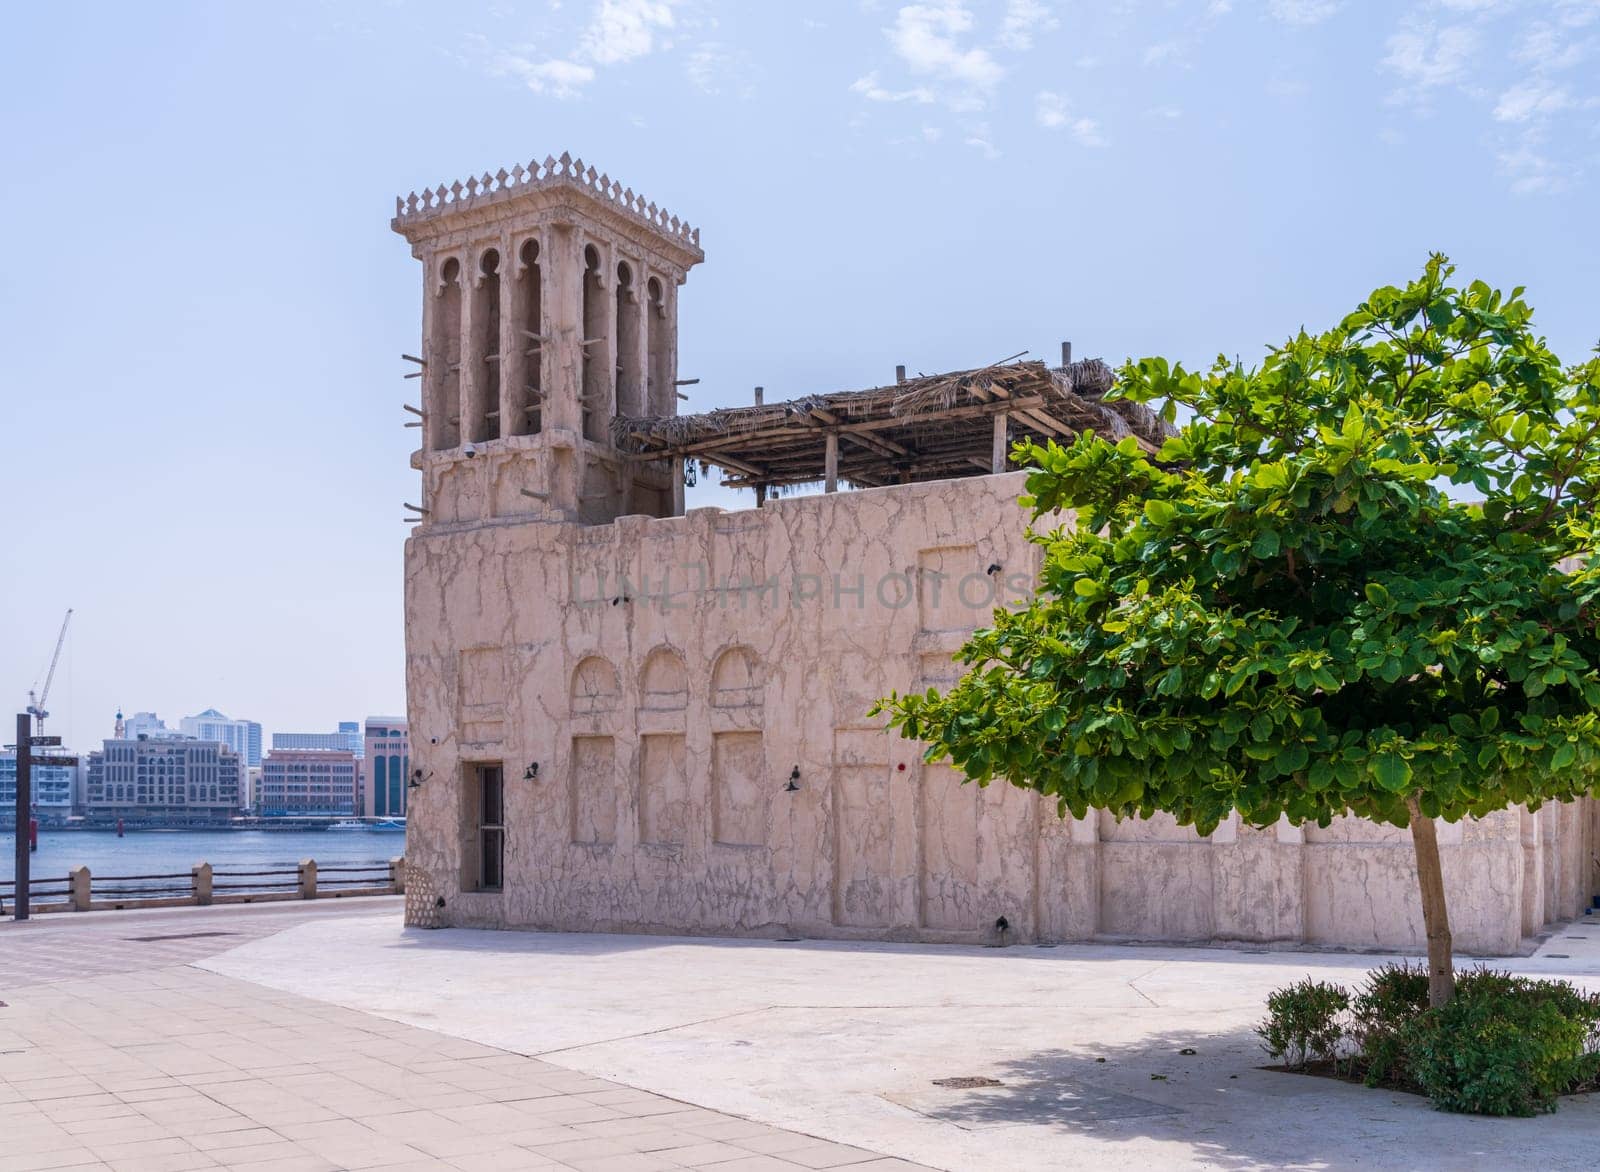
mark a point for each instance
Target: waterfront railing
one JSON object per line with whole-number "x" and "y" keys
{"x": 202, "y": 884}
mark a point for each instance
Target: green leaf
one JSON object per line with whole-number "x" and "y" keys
{"x": 1159, "y": 512}
{"x": 1392, "y": 771}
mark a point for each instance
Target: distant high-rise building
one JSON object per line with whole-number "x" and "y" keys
{"x": 242, "y": 736}
{"x": 147, "y": 724}
{"x": 298, "y": 782}
{"x": 385, "y": 767}
{"x": 167, "y": 778}
{"x": 347, "y": 737}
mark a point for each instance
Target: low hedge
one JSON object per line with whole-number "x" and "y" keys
{"x": 1503, "y": 1045}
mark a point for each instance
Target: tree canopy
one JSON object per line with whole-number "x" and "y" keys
{"x": 1361, "y": 575}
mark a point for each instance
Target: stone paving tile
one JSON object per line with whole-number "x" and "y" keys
{"x": 116, "y": 1055}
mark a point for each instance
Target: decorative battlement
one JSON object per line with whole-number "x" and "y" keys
{"x": 487, "y": 189}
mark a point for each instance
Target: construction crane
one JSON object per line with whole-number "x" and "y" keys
{"x": 36, "y": 707}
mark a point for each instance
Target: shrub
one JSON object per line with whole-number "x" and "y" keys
{"x": 1504, "y": 1045}
{"x": 1393, "y": 996}
{"x": 1304, "y": 1022}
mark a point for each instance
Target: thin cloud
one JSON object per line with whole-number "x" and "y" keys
{"x": 1531, "y": 99}
{"x": 625, "y": 30}
{"x": 1514, "y": 63}
{"x": 873, "y": 90}
{"x": 716, "y": 68}
{"x": 1054, "y": 112}
{"x": 1303, "y": 12}
{"x": 1164, "y": 53}
{"x": 618, "y": 32}
{"x": 1426, "y": 57}
{"x": 1022, "y": 20}
{"x": 930, "y": 39}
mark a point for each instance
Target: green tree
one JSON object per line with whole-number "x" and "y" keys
{"x": 1360, "y": 577}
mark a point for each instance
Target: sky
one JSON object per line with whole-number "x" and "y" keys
{"x": 204, "y": 306}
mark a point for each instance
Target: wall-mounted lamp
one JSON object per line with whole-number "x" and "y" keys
{"x": 417, "y": 778}
{"x": 794, "y": 781}
{"x": 531, "y": 773}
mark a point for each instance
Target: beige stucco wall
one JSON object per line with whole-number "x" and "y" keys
{"x": 667, "y": 714}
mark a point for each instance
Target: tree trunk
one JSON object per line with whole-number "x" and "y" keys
{"x": 1435, "y": 916}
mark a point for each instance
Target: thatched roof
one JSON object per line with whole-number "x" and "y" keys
{"x": 932, "y": 427}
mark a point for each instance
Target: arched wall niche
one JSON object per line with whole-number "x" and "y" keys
{"x": 737, "y": 680}
{"x": 595, "y": 687}
{"x": 664, "y": 681}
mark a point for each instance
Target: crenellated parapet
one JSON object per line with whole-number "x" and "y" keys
{"x": 566, "y": 172}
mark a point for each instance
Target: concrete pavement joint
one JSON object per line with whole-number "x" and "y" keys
{"x": 688, "y": 1025}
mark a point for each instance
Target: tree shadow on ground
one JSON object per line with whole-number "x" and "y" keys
{"x": 1207, "y": 1095}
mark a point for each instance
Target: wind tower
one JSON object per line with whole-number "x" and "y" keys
{"x": 550, "y": 318}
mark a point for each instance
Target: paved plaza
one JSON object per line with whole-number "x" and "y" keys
{"x": 298, "y": 1036}
{"x": 116, "y": 1053}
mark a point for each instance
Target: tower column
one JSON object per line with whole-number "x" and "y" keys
{"x": 471, "y": 361}
{"x": 562, "y": 356}
{"x": 640, "y": 307}
{"x": 669, "y": 296}
{"x": 511, "y": 343}
{"x": 433, "y": 360}
{"x": 606, "y": 352}
{"x": 564, "y": 308}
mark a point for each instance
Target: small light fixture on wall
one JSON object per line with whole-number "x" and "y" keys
{"x": 794, "y": 781}
{"x": 531, "y": 773}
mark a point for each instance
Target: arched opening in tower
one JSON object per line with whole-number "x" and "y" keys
{"x": 596, "y": 380}
{"x": 528, "y": 313}
{"x": 630, "y": 391}
{"x": 484, "y": 410}
{"x": 444, "y": 358}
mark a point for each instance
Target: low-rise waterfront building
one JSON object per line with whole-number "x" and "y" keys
{"x": 54, "y": 786}
{"x": 170, "y": 780}
{"x": 307, "y": 782}
{"x": 633, "y": 716}
{"x": 386, "y": 764}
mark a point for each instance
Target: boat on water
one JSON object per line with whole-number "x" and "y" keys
{"x": 389, "y": 825}
{"x": 348, "y": 824}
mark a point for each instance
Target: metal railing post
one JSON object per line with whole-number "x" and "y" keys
{"x": 19, "y": 899}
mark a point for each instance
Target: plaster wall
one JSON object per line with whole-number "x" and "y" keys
{"x": 694, "y": 691}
